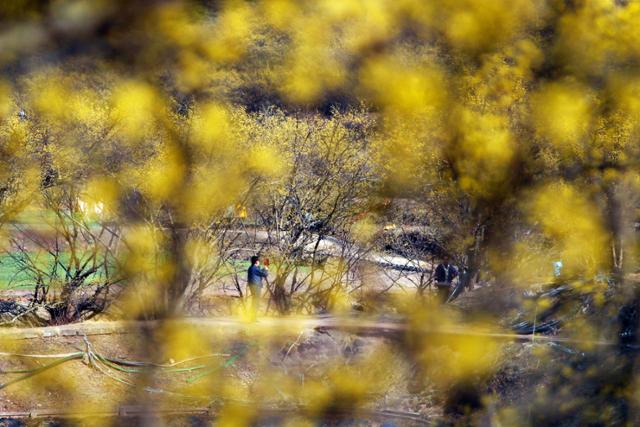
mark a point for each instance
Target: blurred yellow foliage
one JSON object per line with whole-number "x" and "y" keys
{"x": 5, "y": 100}
{"x": 562, "y": 113}
{"x": 136, "y": 108}
{"x": 574, "y": 226}
{"x": 512, "y": 123}
{"x": 486, "y": 153}
{"x": 212, "y": 129}
{"x": 406, "y": 91}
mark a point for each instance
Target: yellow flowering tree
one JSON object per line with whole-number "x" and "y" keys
{"x": 512, "y": 123}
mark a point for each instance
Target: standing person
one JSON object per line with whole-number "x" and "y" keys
{"x": 445, "y": 273}
{"x": 255, "y": 274}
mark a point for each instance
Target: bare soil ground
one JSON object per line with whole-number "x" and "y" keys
{"x": 304, "y": 354}
{"x": 76, "y": 386}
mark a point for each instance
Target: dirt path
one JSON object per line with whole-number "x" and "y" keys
{"x": 286, "y": 325}
{"x": 76, "y": 388}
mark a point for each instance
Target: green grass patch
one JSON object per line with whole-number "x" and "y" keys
{"x": 13, "y": 276}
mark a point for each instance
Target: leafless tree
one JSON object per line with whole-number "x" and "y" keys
{"x": 326, "y": 187}
{"x": 70, "y": 260}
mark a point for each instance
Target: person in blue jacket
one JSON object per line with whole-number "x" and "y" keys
{"x": 255, "y": 274}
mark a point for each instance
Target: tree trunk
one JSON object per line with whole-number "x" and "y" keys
{"x": 473, "y": 259}
{"x": 280, "y": 297}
